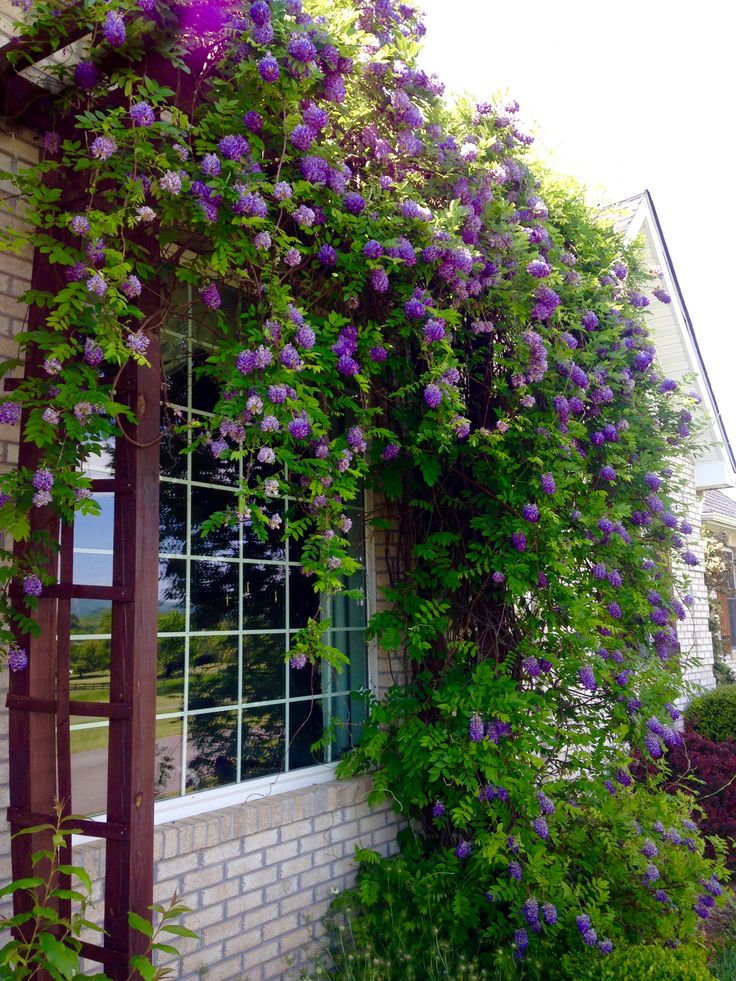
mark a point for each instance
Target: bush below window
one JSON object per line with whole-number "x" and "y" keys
{"x": 708, "y": 769}
{"x": 713, "y": 715}
{"x": 687, "y": 963}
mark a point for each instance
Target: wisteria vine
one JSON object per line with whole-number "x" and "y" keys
{"x": 419, "y": 312}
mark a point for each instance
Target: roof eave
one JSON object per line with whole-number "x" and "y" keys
{"x": 646, "y": 210}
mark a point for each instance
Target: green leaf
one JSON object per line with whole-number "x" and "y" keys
{"x": 431, "y": 469}
{"x": 59, "y": 956}
{"x": 180, "y": 931}
{"x": 144, "y": 967}
{"x": 18, "y": 884}
{"x": 138, "y": 923}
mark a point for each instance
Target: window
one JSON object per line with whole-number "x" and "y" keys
{"x": 229, "y": 706}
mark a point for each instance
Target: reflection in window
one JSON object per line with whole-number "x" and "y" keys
{"x": 229, "y": 705}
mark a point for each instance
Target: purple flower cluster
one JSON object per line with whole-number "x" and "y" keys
{"x": 114, "y": 29}
{"x": 17, "y": 658}
{"x": 142, "y": 114}
{"x": 210, "y": 296}
{"x": 32, "y": 585}
{"x": 476, "y": 728}
{"x": 9, "y": 413}
{"x": 546, "y": 302}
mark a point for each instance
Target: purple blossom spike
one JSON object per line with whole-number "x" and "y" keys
{"x": 137, "y": 342}
{"x": 546, "y": 805}
{"x": 268, "y": 69}
{"x": 515, "y": 871}
{"x": 142, "y": 114}
{"x": 539, "y": 827}
{"x": 9, "y": 413}
{"x": 17, "y": 658}
{"x": 476, "y": 728}
{"x": 586, "y": 677}
{"x": 432, "y": 396}
{"x": 114, "y": 29}
{"x": 86, "y": 74}
{"x": 210, "y": 296}
{"x": 549, "y": 914}
{"x": 32, "y": 585}
{"x": 300, "y": 427}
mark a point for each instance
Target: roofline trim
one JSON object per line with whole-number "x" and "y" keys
{"x": 635, "y": 226}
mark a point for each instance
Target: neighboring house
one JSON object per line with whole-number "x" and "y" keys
{"x": 679, "y": 357}
{"x": 719, "y": 516}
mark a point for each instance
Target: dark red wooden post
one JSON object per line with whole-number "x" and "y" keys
{"x": 39, "y": 698}
{"x": 32, "y": 737}
{"x": 131, "y": 759}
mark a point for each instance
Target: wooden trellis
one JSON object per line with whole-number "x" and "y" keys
{"x": 39, "y": 702}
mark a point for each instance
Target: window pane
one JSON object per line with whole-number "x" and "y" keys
{"x": 224, "y": 540}
{"x": 170, "y": 671}
{"x": 96, "y": 530}
{"x": 264, "y": 668}
{"x": 273, "y": 547}
{"x": 348, "y": 713}
{"x": 346, "y": 612}
{"x": 91, "y": 616}
{"x": 169, "y": 743}
{"x": 175, "y": 360}
{"x": 262, "y": 741}
{"x": 214, "y": 595}
{"x": 89, "y": 662}
{"x": 305, "y": 681}
{"x": 173, "y": 459}
{"x": 303, "y": 601}
{"x": 89, "y": 768}
{"x": 101, "y": 464}
{"x": 213, "y": 671}
{"x": 352, "y": 644}
{"x": 211, "y": 750}
{"x": 305, "y": 728}
{"x": 172, "y": 517}
{"x": 264, "y": 597}
{"x": 205, "y": 391}
{"x": 208, "y": 469}
{"x": 171, "y": 587}
{"x": 92, "y": 570}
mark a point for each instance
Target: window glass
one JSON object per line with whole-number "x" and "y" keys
{"x": 229, "y": 705}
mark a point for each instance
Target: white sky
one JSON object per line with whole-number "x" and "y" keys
{"x": 623, "y": 96}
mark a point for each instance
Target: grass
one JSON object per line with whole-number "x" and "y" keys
{"x": 721, "y": 935}
{"x": 724, "y": 965}
{"x": 96, "y": 688}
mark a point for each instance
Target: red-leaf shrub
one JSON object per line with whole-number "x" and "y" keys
{"x": 708, "y": 769}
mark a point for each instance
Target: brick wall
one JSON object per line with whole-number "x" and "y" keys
{"x": 17, "y": 148}
{"x": 260, "y": 876}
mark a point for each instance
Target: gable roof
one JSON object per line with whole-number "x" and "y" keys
{"x": 718, "y": 509}
{"x": 675, "y": 340}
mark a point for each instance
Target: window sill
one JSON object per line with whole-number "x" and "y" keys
{"x": 194, "y": 805}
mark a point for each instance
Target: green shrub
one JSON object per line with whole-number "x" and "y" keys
{"x": 713, "y": 715}
{"x": 640, "y": 963}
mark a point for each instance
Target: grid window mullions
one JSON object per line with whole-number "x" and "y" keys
{"x": 229, "y": 705}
